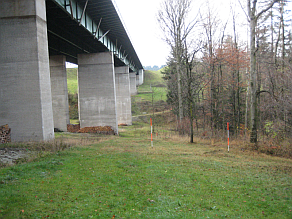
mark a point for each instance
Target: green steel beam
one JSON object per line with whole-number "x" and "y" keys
{"x": 79, "y": 14}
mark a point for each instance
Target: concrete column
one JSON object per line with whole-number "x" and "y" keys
{"x": 137, "y": 80}
{"x": 124, "y": 110}
{"x": 133, "y": 88}
{"x": 97, "y": 92}
{"x": 141, "y": 76}
{"x": 25, "y": 85}
{"x": 59, "y": 92}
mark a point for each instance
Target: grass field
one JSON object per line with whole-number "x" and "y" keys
{"x": 153, "y": 82}
{"x": 153, "y": 89}
{"x": 72, "y": 81}
{"x": 123, "y": 177}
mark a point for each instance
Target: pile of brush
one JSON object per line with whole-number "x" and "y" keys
{"x": 5, "y": 136}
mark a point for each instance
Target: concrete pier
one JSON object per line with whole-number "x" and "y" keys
{"x": 25, "y": 85}
{"x": 124, "y": 112}
{"x": 59, "y": 92}
{"x": 141, "y": 77}
{"x": 97, "y": 92}
{"x": 133, "y": 81}
{"x": 137, "y": 80}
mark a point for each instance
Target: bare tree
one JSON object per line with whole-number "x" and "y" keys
{"x": 253, "y": 17}
{"x": 193, "y": 86}
{"x": 209, "y": 25}
{"x": 174, "y": 22}
{"x": 172, "y": 18}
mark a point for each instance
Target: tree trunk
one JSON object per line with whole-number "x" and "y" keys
{"x": 191, "y": 125}
{"x": 180, "y": 107}
{"x": 253, "y": 81}
{"x": 253, "y": 17}
{"x": 246, "y": 110}
{"x": 190, "y": 101}
{"x": 178, "y": 57}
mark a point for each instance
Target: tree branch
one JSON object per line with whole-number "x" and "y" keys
{"x": 266, "y": 91}
{"x": 243, "y": 10}
{"x": 267, "y": 8}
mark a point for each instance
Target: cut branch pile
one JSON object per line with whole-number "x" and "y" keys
{"x": 5, "y": 136}
{"x": 122, "y": 124}
{"x": 107, "y": 130}
{"x": 73, "y": 128}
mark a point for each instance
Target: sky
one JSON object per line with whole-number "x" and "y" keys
{"x": 140, "y": 19}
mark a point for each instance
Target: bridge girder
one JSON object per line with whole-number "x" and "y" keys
{"x": 89, "y": 26}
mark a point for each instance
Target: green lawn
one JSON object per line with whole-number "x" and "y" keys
{"x": 72, "y": 81}
{"x": 125, "y": 177}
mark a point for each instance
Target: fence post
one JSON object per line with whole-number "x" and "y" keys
{"x": 151, "y": 132}
{"x": 228, "y": 134}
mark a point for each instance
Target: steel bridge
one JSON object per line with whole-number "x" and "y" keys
{"x": 89, "y": 26}
{"x": 37, "y": 37}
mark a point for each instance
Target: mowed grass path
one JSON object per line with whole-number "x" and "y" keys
{"x": 123, "y": 177}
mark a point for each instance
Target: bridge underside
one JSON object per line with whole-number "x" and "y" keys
{"x": 36, "y": 38}
{"x": 67, "y": 37}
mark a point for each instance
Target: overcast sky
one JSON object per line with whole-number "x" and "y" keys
{"x": 140, "y": 19}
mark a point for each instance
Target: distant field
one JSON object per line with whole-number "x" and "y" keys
{"x": 145, "y": 92}
{"x": 72, "y": 82}
{"x": 153, "y": 83}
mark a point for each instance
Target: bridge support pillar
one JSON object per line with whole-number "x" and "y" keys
{"x": 133, "y": 87}
{"x": 97, "y": 92}
{"x": 141, "y": 77}
{"x": 124, "y": 111}
{"x": 59, "y": 92}
{"x": 137, "y": 80}
{"x": 25, "y": 86}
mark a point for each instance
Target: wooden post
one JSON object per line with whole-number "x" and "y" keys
{"x": 228, "y": 134}
{"x": 151, "y": 132}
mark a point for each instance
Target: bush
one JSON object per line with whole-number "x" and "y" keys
{"x": 73, "y": 106}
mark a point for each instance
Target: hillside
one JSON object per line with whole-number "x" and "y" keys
{"x": 72, "y": 82}
{"x": 153, "y": 88}
{"x": 151, "y": 95}
{"x": 153, "y": 79}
